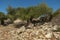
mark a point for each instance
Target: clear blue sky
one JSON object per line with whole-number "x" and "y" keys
{"x": 55, "y": 4}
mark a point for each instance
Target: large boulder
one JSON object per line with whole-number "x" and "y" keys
{"x": 18, "y": 23}
{"x": 45, "y": 17}
{"x": 7, "y": 22}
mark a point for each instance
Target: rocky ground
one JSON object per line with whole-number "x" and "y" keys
{"x": 42, "y": 32}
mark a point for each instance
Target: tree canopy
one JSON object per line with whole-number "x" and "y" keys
{"x": 25, "y": 13}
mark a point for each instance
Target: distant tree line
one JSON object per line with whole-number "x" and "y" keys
{"x": 25, "y": 13}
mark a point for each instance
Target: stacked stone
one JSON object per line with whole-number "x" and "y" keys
{"x": 43, "y": 32}
{"x": 35, "y": 34}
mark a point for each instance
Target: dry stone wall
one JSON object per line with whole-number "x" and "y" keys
{"x": 43, "y": 32}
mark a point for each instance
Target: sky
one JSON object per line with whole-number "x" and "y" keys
{"x": 55, "y": 4}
